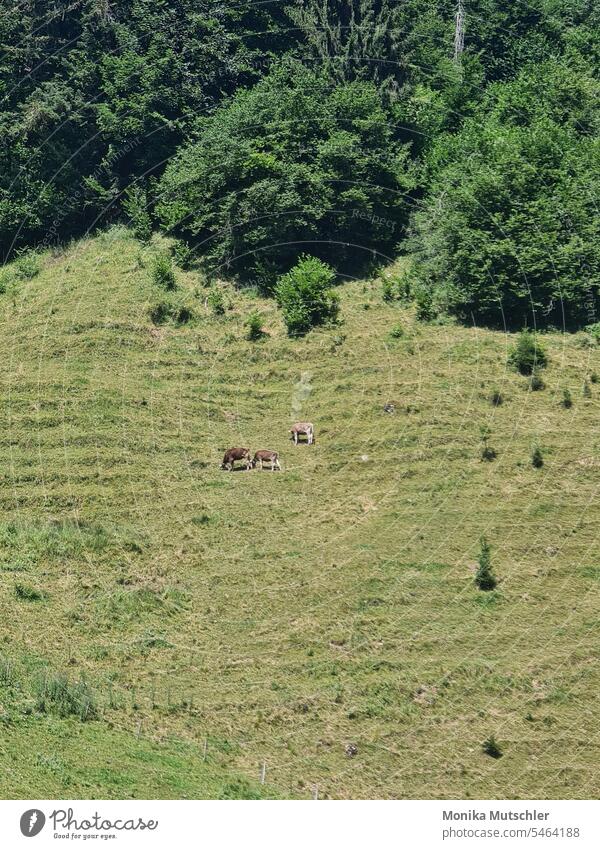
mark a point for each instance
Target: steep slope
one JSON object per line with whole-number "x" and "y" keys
{"x": 277, "y": 618}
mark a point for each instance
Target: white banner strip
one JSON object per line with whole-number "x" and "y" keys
{"x": 291, "y": 824}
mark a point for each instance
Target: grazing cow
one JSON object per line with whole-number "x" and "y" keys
{"x": 234, "y": 454}
{"x": 306, "y": 428}
{"x": 263, "y": 456}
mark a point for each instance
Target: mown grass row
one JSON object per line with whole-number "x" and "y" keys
{"x": 297, "y": 616}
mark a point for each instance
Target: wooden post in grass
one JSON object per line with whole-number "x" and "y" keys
{"x": 205, "y": 748}
{"x": 315, "y": 792}
{"x": 263, "y": 773}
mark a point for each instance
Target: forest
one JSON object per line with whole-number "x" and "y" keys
{"x": 463, "y": 135}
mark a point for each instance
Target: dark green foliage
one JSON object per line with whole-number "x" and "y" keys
{"x": 305, "y": 297}
{"x": 514, "y": 238}
{"x": 254, "y": 323}
{"x": 25, "y": 592}
{"x": 216, "y": 301}
{"x": 567, "y": 399}
{"x": 96, "y": 95}
{"x": 183, "y": 256}
{"x": 491, "y": 747}
{"x": 162, "y": 271}
{"x": 484, "y": 577}
{"x": 135, "y": 204}
{"x": 348, "y": 37}
{"x": 496, "y": 398}
{"x": 317, "y": 126}
{"x": 397, "y": 331}
{"x": 536, "y": 381}
{"x": 594, "y": 377}
{"x": 387, "y": 290}
{"x": 160, "y": 312}
{"x": 28, "y": 265}
{"x": 527, "y": 355}
{"x": 176, "y": 311}
{"x": 290, "y": 163}
{"x": 537, "y": 459}
{"x": 594, "y": 331}
{"x": 182, "y": 314}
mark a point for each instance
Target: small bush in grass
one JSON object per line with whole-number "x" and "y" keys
{"x": 162, "y": 271}
{"x": 496, "y": 399}
{"x": 536, "y": 382}
{"x": 527, "y": 354}
{"x": 159, "y": 313}
{"x": 594, "y": 331}
{"x": 484, "y": 577}
{"x": 305, "y": 297}
{"x": 56, "y": 694}
{"x": 491, "y": 747}
{"x": 183, "y": 255}
{"x": 254, "y": 325}
{"x": 7, "y": 279}
{"x": 403, "y": 287}
{"x": 487, "y": 452}
{"x": 593, "y": 377}
{"x": 176, "y": 311}
{"x": 28, "y": 265}
{"x": 585, "y": 340}
{"x": 587, "y": 390}
{"x": 201, "y": 520}
{"x": 567, "y": 400}
{"x": 337, "y": 341}
{"x": 425, "y": 309}
{"x": 397, "y": 331}
{"x": 182, "y": 314}
{"x": 388, "y": 290}
{"x": 537, "y": 459}
{"x": 135, "y": 204}
{"x": 216, "y": 301}
{"x": 25, "y": 592}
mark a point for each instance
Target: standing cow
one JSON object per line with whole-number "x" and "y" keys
{"x": 305, "y": 428}
{"x": 264, "y": 456}
{"x": 234, "y": 454}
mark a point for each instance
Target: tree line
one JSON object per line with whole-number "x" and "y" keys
{"x": 348, "y": 130}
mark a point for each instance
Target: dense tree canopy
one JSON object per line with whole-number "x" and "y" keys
{"x": 292, "y": 162}
{"x": 256, "y": 130}
{"x": 509, "y": 232}
{"x": 97, "y": 93}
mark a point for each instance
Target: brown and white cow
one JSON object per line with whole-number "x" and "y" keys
{"x": 233, "y": 454}
{"x": 305, "y": 428}
{"x": 264, "y": 456}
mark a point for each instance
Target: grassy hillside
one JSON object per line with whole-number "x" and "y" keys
{"x": 217, "y": 622}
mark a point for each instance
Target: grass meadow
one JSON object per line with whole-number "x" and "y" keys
{"x": 168, "y": 629}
